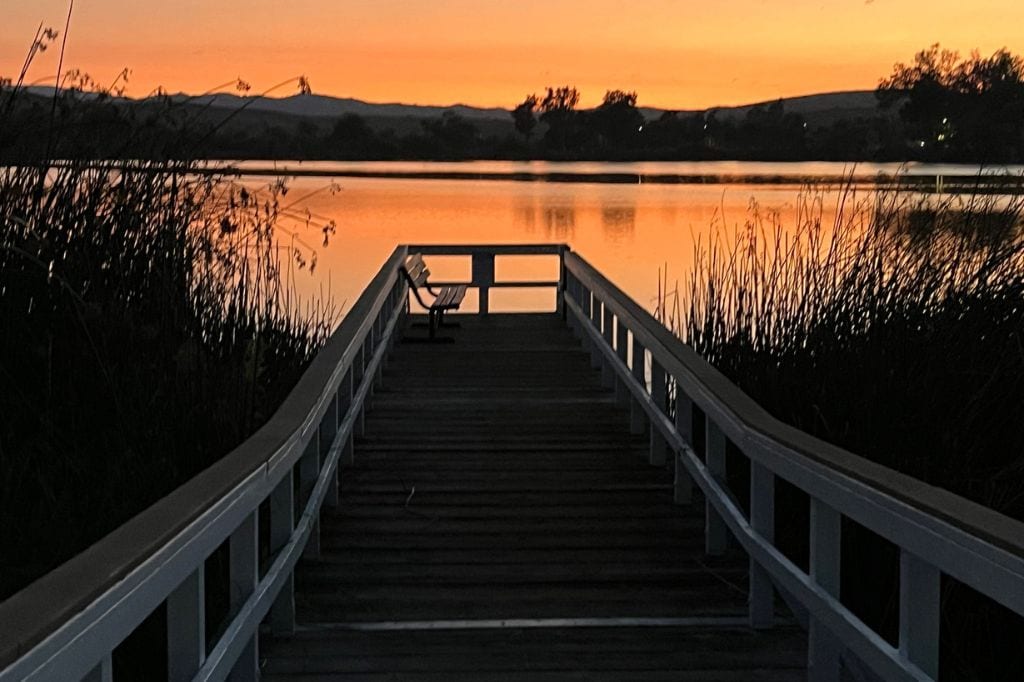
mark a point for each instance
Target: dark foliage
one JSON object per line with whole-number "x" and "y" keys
{"x": 523, "y": 116}
{"x": 548, "y": 128}
{"x": 898, "y": 333}
{"x": 145, "y": 324}
{"x": 969, "y": 109}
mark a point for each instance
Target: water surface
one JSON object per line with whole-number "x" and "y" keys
{"x": 627, "y": 230}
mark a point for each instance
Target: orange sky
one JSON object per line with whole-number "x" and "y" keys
{"x": 675, "y": 53}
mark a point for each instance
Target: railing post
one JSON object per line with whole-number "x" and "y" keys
{"x": 659, "y": 394}
{"x": 103, "y": 672}
{"x": 637, "y": 417}
{"x": 328, "y": 431}
{"x": 244, "y": 567}
{"x": 572, "y": 290}
{"x": 683, "y": 484}
{"x": 483, "y": 278}
{"x": 920, "y": 584}
{"x": 716, "y": 536}
{"x": 562, "y": 285}
{"x": 762, "y": 521}
{"x": 584, "y": 300}
{"x": 358, "y": 428}
{"x": 282, "y": 524}
{"x": 576, "y": 287}
{"x": 186, "y": 627}
{"x": 385, "y": 315}
{"x": 607, "y": 332}
{"x": 367, "y": 353}
{"x": 396, "y": 307}
{"x": 309, "y": 471}
{"x": 596, "y": 358}
{"x": 344, "y": 406}
{"x": 622, "y": 350}
{"x": 378, "y": 374}
{"x": 823, "y": 649}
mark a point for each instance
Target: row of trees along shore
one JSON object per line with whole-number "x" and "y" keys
{"x": 939, "y": 107}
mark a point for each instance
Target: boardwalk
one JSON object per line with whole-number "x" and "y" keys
{"x": 502, "y": 523}
{"x": 499, "y": 520}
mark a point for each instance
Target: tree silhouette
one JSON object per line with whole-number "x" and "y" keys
{"x": 451, "y": 135}
{"x": 619, "y": 98}
{"x": 559, "y": 101}
{"x": 970, "y": 108}
{"x": 768, "y": 131}
{"x": 617, "y": 119}
{"x": 558, "y": 111}
{"x": 523, "y": 116}
{"x": 352, "y": 137}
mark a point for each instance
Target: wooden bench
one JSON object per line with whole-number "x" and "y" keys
{"x": 448, "y": 298}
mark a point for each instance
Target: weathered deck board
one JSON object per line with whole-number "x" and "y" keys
{"x": 498, "y": 480}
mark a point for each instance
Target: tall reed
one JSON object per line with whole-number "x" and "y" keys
{"x": 147, "y": 328}
{"x": 894, "y": 330}
{"x": 148, "y": 320}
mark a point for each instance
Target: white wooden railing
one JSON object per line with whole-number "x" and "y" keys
{"x": 66, "y": 625}
{"x": 936, "y": 531}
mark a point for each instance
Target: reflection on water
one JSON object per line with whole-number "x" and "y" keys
{"x": 525, "y": 213}
{"x": 626, "y": 230}
{"x": 555, "y": 215}
{"x": 618, "y": 221}
{"x": 626, "y": 171}
{"x": 559, "y": 221}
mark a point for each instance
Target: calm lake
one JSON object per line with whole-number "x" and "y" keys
{"x": 628, "y": 219}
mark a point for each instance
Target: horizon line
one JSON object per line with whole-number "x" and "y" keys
{"x": 242, "y": 95}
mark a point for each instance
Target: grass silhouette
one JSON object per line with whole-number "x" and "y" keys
{"x": 897, "y": 332}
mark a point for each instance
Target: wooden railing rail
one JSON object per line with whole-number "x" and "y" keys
{"x": 66, "y": 625}
{"x": 482, "y": 266}
{"x": 937, "y": 532}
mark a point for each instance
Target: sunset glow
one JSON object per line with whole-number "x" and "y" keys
{"x": 676, "y": 54}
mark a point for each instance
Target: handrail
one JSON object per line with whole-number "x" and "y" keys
{"x": 725, "y": 398}
{"x": 67, "y": 623}
{"x": 936, "y": 531}
{"x": 491, "y": 249}
{"x": 483, "y": 265}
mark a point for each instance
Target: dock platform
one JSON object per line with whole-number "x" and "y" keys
{"x": 502, "y": 523}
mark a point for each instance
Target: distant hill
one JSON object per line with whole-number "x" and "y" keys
{"x": 826, "y": 105}
{"x": 307, "y": 126}
{"x": 322, "y": 105}
{"x": 818, "y": 109}
{"x": 302, "y": 126}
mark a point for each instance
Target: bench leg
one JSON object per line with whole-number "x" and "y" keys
{"x": 441, "y": 322}
{"x": 433, "y": 324}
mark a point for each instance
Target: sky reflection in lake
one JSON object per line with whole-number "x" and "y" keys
{"x": 628, "y": 231}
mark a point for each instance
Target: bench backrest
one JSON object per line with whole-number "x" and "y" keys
{"x": 415, "y": 270}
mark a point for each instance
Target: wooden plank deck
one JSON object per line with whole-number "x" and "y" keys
{"x": 498, "y": 513}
